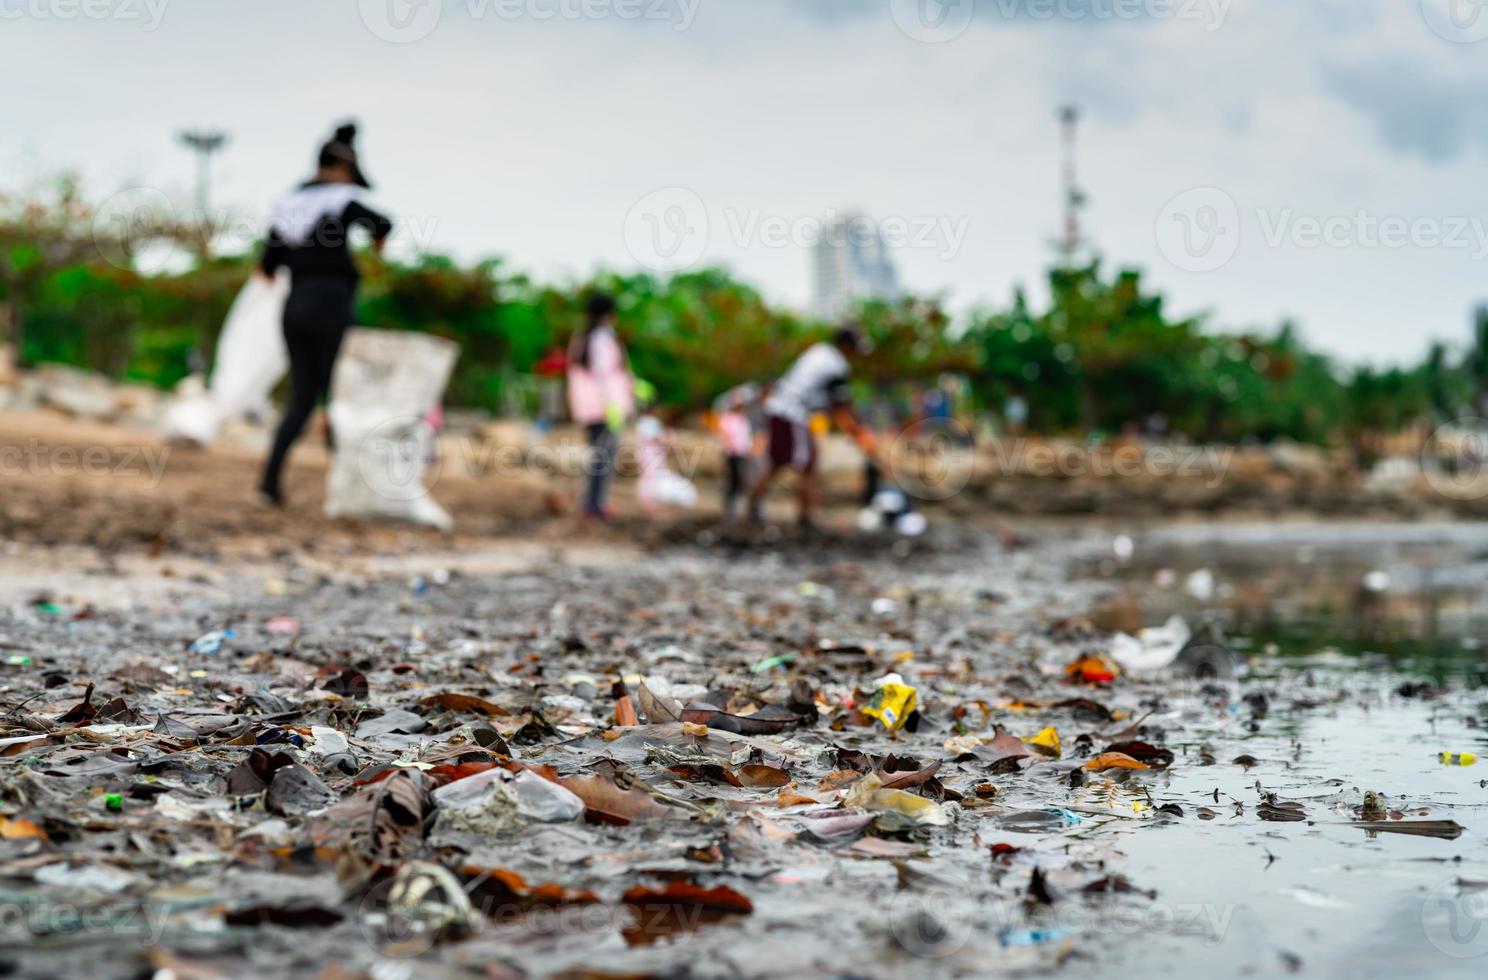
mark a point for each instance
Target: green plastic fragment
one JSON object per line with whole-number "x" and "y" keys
{"x": 770, "y": 663}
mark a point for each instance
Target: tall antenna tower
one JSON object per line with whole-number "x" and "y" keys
{"x": 1074, "y": 198}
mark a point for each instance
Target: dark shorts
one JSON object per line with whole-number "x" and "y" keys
{"x": 791, "y": 445}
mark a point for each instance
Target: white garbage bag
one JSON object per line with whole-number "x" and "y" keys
{"x": 386, "y": 383}
{"x": 672, "y": 488}
{"x": 251, "y": 358}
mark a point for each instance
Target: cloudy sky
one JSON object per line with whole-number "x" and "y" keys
{"x": 1319, "y": 160}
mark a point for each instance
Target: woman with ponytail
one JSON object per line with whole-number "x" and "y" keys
{"x": 309, "y": 235}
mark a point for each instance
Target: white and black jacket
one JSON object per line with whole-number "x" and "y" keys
{"x": 310, "y": 230}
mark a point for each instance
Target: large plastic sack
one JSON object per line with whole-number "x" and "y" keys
{"x": 251, "y": 358}
{"x": 385, "y": 384}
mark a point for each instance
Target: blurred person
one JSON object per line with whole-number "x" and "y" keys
{"x": 601, "y": 397}
{"x": 1015, "y": 413}
{"x": 309, "y": 234}
{"x": 736, "y": 437}
{"x": 659, "y": 483}
{"x": 816, "y": 382}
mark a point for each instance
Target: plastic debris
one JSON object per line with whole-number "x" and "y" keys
{"x": 770, "y": 663}
{"x": 212, "y": 642}
{"x": 892, "y": 703}
{"x": 1046, "y": 742}
{"x": 544, "y": 801}
{"x": 896, "y": 808}
{"x": 1457, "y": 758}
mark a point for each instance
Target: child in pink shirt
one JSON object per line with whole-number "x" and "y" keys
{"x": 600, "y": 397}
{"x": 736, "y": 436}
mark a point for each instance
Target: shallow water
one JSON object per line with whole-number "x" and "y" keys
{"x": 1343, "y": 616}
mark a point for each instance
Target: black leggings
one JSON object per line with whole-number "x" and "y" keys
{"x": 601, "y": 466}
{"x": 737, "y": 484}
{"x": 316, "y": 316}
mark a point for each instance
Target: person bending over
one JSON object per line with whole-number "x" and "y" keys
{"x": 816, "y": 382}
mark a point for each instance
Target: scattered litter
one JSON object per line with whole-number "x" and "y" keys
{"x": 212, "y": 642}
{"x": 893, "y": 702}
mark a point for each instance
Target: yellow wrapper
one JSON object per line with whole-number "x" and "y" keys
{"x": 1046, "y": 741}
{"x": 892, "y": 704}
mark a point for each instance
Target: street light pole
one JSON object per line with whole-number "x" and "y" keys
{"x": 204, "y": 143}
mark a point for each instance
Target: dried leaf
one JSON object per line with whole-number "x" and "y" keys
{"x": 1114, "y": 760}
{"x": 19, "y": 828}
{"x": 607, "y": 803}
{"x": 678, "y": 908}
{"x": 657, "y": 710}
{"x": 769, "y": 720}
{"x": 464, "y": 704}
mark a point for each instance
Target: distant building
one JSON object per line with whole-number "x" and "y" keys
{"x": 852, "y": 263}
